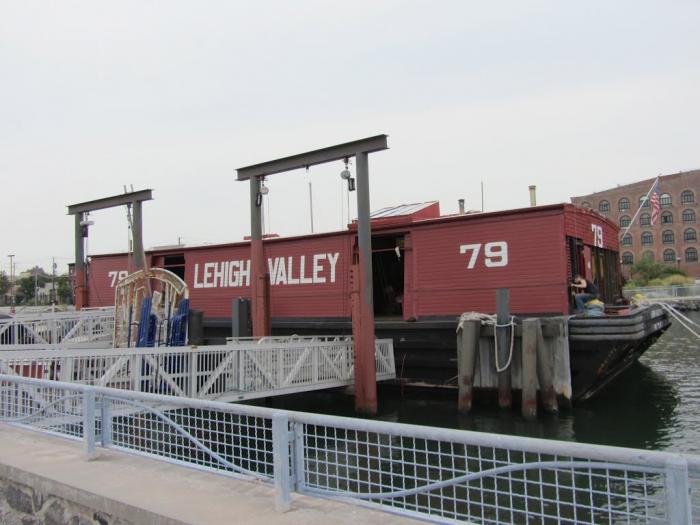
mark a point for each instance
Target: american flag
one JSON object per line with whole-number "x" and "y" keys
{"x": 655, "y": 203}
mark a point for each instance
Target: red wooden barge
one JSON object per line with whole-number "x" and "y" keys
{"x": 427, "y": 270}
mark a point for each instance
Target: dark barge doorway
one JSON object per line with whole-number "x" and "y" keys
{"x": 599, "y": 265}
{"x": 388, "y": 275}
{"x": 175, "y": 262}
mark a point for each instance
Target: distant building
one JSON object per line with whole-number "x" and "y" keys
{"x": 673, "y": 239}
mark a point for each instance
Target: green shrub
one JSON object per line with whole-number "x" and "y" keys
{"x": 646, "y": 272}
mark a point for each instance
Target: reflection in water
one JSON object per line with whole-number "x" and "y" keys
{"x": 653, "y": 405}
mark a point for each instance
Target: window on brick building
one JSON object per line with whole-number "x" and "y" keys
{"x": 645, "y": 219}
{"x": 604, "y": 206}
{"x": 623, "y": 204}
{"x": 648, "y": 255}
{"x": 665, "y": 200}
{"x": 624, "y": 221}
{"x": 688, "y": 216}
{"x": 643, "y": 202}
{"x": 647, "y": 239}
{"x": 627, "y": 240}
{"x": 690, "y": 235}
{"x": 669, "y": 256}
{"x": 667, "y": 237}
{"x": 627, "y": 258}
{"x": 691, "y": 255}
{"x": 687, "y": 197}
{"x": 667, "y": 217}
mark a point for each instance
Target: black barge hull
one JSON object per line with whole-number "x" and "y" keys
{"x": 600, "y": 348}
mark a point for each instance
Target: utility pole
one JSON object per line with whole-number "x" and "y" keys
{"x": 53, "y": 279}
{"x": 36, "y": 286}
{"x": 311, "y": 207}
{"x": 12, "y": 284}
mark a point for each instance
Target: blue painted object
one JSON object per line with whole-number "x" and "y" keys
{"x": 178, "y": 325}
{"x": 147, "y": 326}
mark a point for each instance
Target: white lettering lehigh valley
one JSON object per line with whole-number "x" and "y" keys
{"x": 319, "y": 268}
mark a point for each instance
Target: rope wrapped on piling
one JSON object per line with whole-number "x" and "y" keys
{"x": 490, "y": 319}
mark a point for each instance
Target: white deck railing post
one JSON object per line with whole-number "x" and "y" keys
{"x": 106, "y": 419}
{"x": 192, "y": 374}
{"x": 678, "y": 492}
{"x": 280, "y": 455}
{"x": 89, "y": 423}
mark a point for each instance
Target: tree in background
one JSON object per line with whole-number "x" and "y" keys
{"x": 4, "y": 283}
{"x": 646, "y": 272}
{"x": 63, "y": 290}
{"x": 26, "y": 286}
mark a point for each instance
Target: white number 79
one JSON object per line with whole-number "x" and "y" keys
{"x": 495, "y": 254}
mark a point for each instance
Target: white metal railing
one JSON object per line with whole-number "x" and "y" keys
{"x": 226, "y": 372}
{"x": 57, "y": 329}
{"x": 691, "y": 291}
{"x": 286, "y": 338}
{"x": 442, "y": 475}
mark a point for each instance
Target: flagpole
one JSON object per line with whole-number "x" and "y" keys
{"x": 646, "y": 199}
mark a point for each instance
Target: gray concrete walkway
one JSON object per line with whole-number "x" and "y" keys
{"x": 141, "y": 490}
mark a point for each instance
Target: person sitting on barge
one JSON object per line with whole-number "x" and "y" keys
{"x": 585, "y": 291}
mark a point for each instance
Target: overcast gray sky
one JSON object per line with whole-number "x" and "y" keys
{"x": 572, "y": 97}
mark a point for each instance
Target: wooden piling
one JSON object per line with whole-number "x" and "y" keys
{"x": 545, "y": 364}
{"x": 505, "y": 395}
{"x": 529, "y": 368}
{"x": 467, "y": 348}
{"x": 562, "y": 364}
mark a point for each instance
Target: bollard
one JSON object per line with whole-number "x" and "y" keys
{"x": 195, "y": 327}
{"x": 280, "y": 459}
{"x": 505, "y": 395}
{"x": 240, "y": 318}
{"x": 545, "y": 361}
{"x": 529, "y": 369}
{"x": 467, "y": 348}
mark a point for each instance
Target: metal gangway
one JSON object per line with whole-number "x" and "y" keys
{"x": 240, "y": 370}
{"x": 93, "y": 328}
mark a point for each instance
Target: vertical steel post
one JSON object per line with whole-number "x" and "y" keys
{"x": 505, "y": 395}
{"x": 106, "y": 419}
{"x": 137, "y": 233}
{"x": 365, "y": 368}
{"x": 299, "y": 462}
{"x": 80, "y": 277}
{"x": 258, "y": 281}
{"x": 280, "y": 460}
{"x": 311, "y": 207}
{"x": 89, "y": 423}
{"x": 192, "y": 373}
{"x": 678, "y": 507}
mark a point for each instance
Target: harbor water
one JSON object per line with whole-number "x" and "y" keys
{"x": 654, "y": 405}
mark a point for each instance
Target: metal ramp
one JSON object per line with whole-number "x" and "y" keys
{"x": 92, "y": 328}
{"x": 239, "y": 370}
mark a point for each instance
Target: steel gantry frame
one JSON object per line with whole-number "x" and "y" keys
{"x": 133, "y": 199}
{"x": 363, "y": 310}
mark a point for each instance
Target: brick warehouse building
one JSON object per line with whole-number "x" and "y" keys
{"x": 674, "y": 237}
